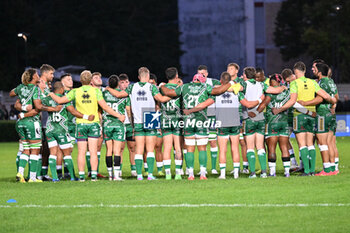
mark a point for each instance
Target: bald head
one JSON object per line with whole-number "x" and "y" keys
{"x": 58, "y": 87}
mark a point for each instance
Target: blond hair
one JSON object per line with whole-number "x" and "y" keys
{"x": 143, "y": 71}
{"x": 27, "y": 76}
{"x": 85, "y": 77}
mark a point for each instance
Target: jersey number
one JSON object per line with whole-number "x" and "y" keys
{"x": 56, "y": 117}
{"x": 114, "y": 106}
{"x": 192, "y": 101}
{"x": 170, "y": 106}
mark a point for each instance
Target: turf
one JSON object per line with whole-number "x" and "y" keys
{"x": 98, "y": 215}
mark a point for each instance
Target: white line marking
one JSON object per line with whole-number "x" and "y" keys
{"x": 180, "y": 205}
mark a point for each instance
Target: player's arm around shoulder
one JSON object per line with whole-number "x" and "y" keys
{"x": 118, "y": 94}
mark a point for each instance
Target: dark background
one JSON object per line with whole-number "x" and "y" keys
{"x": 111, "y": 37}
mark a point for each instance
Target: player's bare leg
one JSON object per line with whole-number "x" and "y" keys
{"x": 244, "y": 153}
{"x": 190, "y": 143}
{"x": 283, "y": 142}
{"x": 150, "y": 145}
{"x": 159, "y": 156}
{"x": 222, "y": 141}
{"x": 59, "y": 163}
{"x": 234, "y": 139}
{"x": 99, "y": 147}
{"x": 92, "y": 144}
{"x": 168, "y": 145}
{"x": 117, "y": 150}
{"x": 336, "y": 153}
{"x": 23, "y": 160}
{"x": 178, "y": 156}
{"x": 140, "y": 146}
{"x": 131, "y": 147}
{"x": 322, "y": 139}
{"x": 271, "y": 145}
{"x": 82, "y": 146}
{"x": 260, "y": 146}
{"x": 109, "y": 158}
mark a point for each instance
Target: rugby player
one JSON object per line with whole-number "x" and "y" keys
{"x": 232, "y": 69}
{"x": 171, "y": 116}
{"x": 113, "y": 130}
{"x": 324, "y": 119}
{"x": 195, "y": 131}
{"x": 129, "y": 132}
{"x": 303, "y": 125}
{"x": 57, "y": 132}
{"x": 142, "y": 95}
{"x": 202, "y": 69}
{"x": 87, "y": 100}
{"x": 254, "y": 127}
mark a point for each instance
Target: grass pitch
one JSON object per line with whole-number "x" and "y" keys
{"x": 297, "y": 204}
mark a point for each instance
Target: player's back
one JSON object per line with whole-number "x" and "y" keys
{"x": 328, "y": 86}
{"x": 86, "y": 102}
{"x": 306, "y": 89}
{"x": 172, "y": 108}
{"x": 26, "y": 94}
{"x": 57, "y": 121}
{"x": 117, "y": 104}
{"x": 141, "y": 99}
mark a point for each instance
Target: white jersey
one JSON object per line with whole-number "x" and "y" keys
{"x": 227, "y": 109}
{"x": 253, "y": 92}
{"x": 141, "y": 100}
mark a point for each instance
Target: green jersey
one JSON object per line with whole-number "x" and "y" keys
{"x": 194, "y": 94}
{"x": 27, "y": 94}
{"x": 277, "y": 101}
{"x": 71, "y": 117}
{"x": 328, "y": 86}
{"x": 171, "y": 110}
{"x": 117, "y": 104}
{"x": 57, "y": 121}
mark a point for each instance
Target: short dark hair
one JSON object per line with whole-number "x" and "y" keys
{"x": 225, "y": 77}
{"x": 58, "y": 85}
{"x": 171, "y": 73}
{"x": 46, "y": 67}
{"x": 123, "y": 77}
{"x": 153, "y": 76}
{"x": 202, "y": 67}
{"x": 286, "y": 73}
{"x": 65, "y": 75}
{"x": 323, "y": 68}
{"x": 113, "y": 81}
{"x": 299, "y": 66}
{"x": 318, "y": 61}
{"x": 249, "y": 72}
{"x": 259, "y": 70}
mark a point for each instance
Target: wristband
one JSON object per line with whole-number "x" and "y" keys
{"x": 232, "y": 82}
{"x": 259, "y": 101}
{"x": 86, "y": 117}
{"x": 21, "y": 115}
{"x": 309, "y": 113}
{"x": 24, "y": 107}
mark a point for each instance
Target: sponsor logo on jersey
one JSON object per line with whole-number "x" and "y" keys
{"x": 226, "y": 98}
{"x": 141, "y": 95}
{"x": 86, "y": 97}
{"x": 151, "y": 120}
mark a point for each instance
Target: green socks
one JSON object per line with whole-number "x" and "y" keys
{"x": 262, "y": 160}
{"x": 213, "y": 155}
{"x": 190, "y": 159}
{"x": 251, "y": 159}
{"x": 138, "y": 163}
{"x": 68, "y": 162}
{"x": 304, "y": 153}
{"x": 312, "y": 157}
{"x": 52, "y": 165}
{"x": 203, "y": 158}
{"x": 150, "y": 162}
{"x": 33, "y": 160}
{"x": 23, "y": 160}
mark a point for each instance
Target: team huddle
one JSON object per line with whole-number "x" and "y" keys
{"x": 252, "y": 112}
